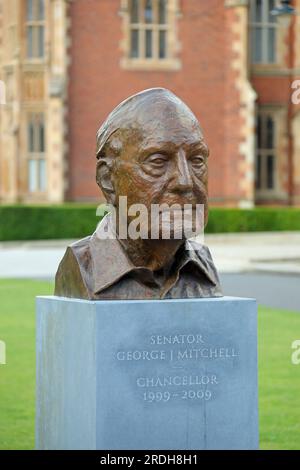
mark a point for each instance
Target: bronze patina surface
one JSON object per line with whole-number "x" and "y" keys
{"x": 150, "y": 149}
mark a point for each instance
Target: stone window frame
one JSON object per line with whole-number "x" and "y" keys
{"x": 278, "y": 114}
{"x": 36, "y": 151}
{"x": 171, "y": 62}
{"x": 37, "y": 23}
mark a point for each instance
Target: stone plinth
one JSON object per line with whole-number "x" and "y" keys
{"x": 171, "y": 374}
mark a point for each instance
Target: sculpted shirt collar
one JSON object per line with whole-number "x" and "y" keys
{"x": 114, "y": 263}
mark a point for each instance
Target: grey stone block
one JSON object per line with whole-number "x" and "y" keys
{"x": 171, "y": 374}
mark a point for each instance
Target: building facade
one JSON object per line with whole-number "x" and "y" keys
{"x": 66, "y": 63}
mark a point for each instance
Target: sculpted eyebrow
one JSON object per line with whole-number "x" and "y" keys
{"x": 201, "y": 147}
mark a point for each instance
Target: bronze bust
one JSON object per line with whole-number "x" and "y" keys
{"x": 150, "y": 150}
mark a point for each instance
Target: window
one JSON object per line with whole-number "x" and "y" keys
{"x": 36, "y": 153}
{"x": 148, "y": 29}
{"x": 263, "y": 32}
{"x": 150, "y": 33}
{"x": 35, "y": 28}
{"x": 266, "y": 153}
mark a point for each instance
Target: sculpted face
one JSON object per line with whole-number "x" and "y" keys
{"x": 162, "y": 158}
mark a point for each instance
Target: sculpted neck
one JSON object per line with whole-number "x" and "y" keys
{"x": 151, "y": 254}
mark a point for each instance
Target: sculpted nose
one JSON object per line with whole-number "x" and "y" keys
{"x": 182, "y": 180}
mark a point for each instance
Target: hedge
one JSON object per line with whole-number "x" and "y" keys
{"x": 46, "y": 222}
{"x": 259, "y": 219}
{"x": 23, "y": 222}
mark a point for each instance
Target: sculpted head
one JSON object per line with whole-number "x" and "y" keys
{"x": 152, "y": 150}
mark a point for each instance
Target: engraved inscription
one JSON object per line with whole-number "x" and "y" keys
{"x": 176, "y": 339}
{"x": 180, "y": 363}
{"x": 171, "y": 355}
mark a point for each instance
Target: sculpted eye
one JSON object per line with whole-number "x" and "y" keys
{"x": 157, "y": 160}
{"x": 197, "y": 160}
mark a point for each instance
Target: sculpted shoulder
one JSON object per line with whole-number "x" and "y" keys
{"x": 73, "y": 277}
{"x": 82, "y": 252}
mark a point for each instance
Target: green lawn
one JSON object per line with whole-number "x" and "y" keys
{"x": 17, "y": 377}
{"x": 279, "y": 380}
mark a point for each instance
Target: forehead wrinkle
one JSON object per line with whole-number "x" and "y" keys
{"x": 171, "y": 137}
{"x": 170, "y": 114}
{"x": 175, "y": 130}
{"x": 167, "y": 144}
{"x": 145, "y": 140}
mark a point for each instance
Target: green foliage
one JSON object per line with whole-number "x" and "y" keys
{"x": 260, "y": 219}
{"x": 23, "y": 222}
{"x": 47, "y": 222}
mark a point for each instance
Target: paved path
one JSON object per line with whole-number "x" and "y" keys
{"x": 261, "y": 265}
{"x": 273, "y": 290}
{"x": 30, "y": 259}
{"x": 269, "y": 252}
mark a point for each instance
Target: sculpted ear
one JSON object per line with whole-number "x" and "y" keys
{"x": 104, "y": 179}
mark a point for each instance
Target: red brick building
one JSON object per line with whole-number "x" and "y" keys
{"x": 231, "y": 61}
